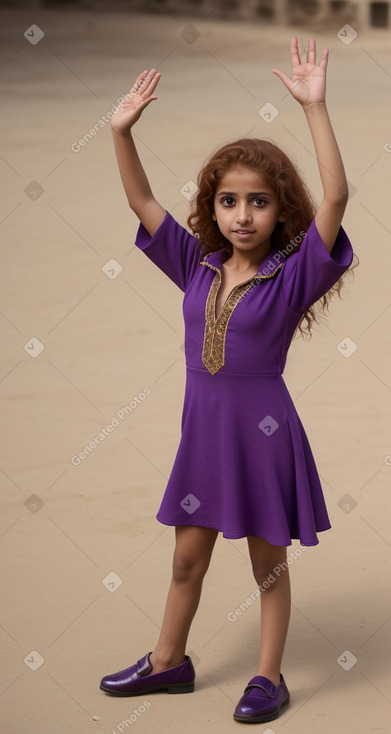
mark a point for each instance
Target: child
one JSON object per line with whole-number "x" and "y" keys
{"x": 260, "y": 257}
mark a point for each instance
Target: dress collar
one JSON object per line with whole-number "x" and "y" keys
{"x": 271, "y": 265}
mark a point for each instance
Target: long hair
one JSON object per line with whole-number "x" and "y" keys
{"x": 293, "y": 197}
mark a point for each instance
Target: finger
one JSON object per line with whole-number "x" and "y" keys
{"x": 295, "y": 52}
{"x": 150, "y": 80}
{"x": 311, "y": 57}
{"x": 324, "y": 59}
{"x": 142, "y": 81}
{"x": 145, "y": 103}
{"x": 139, "y": 79}
{"x": 284, "y": 77}
{"x": 149, "y": 75}
{"x": 152, "y": 84}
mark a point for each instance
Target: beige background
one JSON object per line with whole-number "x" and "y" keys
{"x": 64, "y": 528}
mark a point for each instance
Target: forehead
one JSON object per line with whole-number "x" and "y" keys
{"x": 240, "y": 179}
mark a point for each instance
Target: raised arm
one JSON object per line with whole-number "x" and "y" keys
{"x": 308, "y": 87}
{"x": 134, "y": 179}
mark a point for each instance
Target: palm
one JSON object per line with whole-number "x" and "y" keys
{"x": 128, "y": 107}
{"x": 308, "y": 82}
{"x": 131, "y": 106}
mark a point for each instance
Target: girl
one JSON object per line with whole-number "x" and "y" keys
{"x": 259, "y": 258}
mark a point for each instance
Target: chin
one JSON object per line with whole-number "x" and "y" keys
{"x": 246, "y": 246}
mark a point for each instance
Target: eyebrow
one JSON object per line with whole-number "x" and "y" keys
{"x": 253, "y": 193}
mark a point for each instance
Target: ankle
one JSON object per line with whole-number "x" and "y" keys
{"x": 269, "y": 674}
{"x": 161, "y": 662}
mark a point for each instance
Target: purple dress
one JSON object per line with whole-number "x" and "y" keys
{"x": 244, "y": 464}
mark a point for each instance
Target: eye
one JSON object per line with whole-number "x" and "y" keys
{"x": 259, "y": 202}
{"x": 227, "y": 201}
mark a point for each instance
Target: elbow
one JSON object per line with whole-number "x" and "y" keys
{"x": 339, "y": 197}
{"x": 344, "y": 193}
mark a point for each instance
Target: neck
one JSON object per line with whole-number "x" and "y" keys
{"x": 245, "y": 262}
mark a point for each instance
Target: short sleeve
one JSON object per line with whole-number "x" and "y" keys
{"x": 172, "y": 248}
{"x": 309, "y": 273}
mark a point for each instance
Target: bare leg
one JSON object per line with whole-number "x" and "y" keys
{"x": 275, "y": 604}
{"x": 193, "y": 551}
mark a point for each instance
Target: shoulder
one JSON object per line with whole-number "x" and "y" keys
{"x": 169, "y": 230}
{"x": 340, "y": 254}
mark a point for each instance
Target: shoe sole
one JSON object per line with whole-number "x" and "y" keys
{"x": 178, "y": 688}
{"x": 260, "y": 719}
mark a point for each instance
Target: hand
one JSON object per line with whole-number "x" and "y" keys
{"x": 131, "y": 106}
{"x": 308, "y": 83}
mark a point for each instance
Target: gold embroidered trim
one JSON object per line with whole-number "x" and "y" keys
{"x": 213, "y": 352}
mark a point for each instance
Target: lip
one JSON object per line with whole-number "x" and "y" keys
{"x": 244, "y": 232}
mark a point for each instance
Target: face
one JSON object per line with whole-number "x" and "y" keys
{"x": 246, "y": 210}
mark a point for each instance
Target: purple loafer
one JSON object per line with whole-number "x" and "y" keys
{"x": 262, "y": 700}
{"x": 137, "y": 681}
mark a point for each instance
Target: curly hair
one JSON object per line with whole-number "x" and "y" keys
{"x": 293, "y": 197}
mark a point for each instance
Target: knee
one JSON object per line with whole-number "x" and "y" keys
{"x": 267, "y": 573}
{"x": 188, "y": 568}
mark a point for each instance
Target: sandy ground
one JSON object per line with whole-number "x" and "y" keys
{"x": 86, "y": 565}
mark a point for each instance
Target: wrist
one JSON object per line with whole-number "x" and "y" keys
{"x": 121, "y": 132}
{"x": 309, "y": 107}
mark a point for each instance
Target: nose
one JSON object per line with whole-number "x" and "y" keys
{"x": 243, "y": 213}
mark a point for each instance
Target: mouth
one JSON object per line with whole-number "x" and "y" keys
{"x": 244, "y": 232}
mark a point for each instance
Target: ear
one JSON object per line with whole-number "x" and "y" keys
{"x": 214, "y": 217}
{"x": 281, "y": 217}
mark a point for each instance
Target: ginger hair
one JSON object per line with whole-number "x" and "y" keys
{"x": 293, "y": 196}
